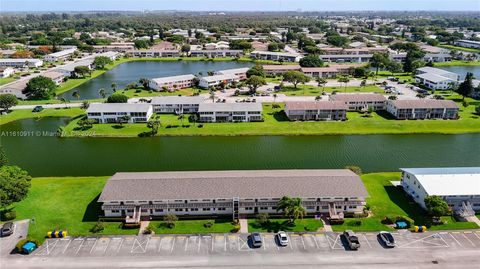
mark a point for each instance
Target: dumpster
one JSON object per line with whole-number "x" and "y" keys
{"x": 401, "y": 225}
{"x": 29, "y": 247}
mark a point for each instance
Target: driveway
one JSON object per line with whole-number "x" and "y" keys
{"x": 7, "y": 243}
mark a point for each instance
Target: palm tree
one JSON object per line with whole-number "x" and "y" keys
{"x": 212, "y": 96}
{"x": 144, "y": 82}
{"x": 274, "y": 97}
{"x": 292, "y": 208}
{"x": 321, "y": 82}
{"x": 344, "y": 79}
{"x": 113, "y": 86}
{"x": 102, "y": 93}
{"x": 64, "y": 100}
{"x": 76, "y": 94}
{"x": 194, "y": 118}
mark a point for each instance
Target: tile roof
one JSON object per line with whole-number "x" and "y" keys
{"x": 358, "y": 97}
{"x": 314, "y": 105}
{"x": 423, "y": 103}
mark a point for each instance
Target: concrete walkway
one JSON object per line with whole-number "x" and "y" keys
{"x": 474, "y": 219}
{"x": 326, "y": 225}
{"x": 143, "y": 226}
{"x": 243, "y": 225}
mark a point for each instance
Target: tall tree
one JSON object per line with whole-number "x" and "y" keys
{"x": 466, "y": 87}
{"x": 101, "y": 61}
{"x": 254, "y": 82}
{"x": 295, "y": 77}
{"x": 436, "y": 206}
{"x": 14, "y": 185}
{"x": 7, "y": 101}
{"x": 40, "y": 88}
{"x": 311, "y": 61}
{"x": 378, "y": 61}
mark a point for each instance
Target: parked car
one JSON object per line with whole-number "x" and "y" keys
{"x": 7, "y": 229}
{"x": 352, "y": 239}
{"x": 37, "y": 109}
{"x": 256, "y": 240}
{"x": 387, "y": 239}
{"x": 282, "y": 238}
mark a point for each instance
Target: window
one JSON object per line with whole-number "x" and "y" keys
{"x": 206, "y": 209}
{"x": 193, "y": 209}
{"x": 178, "y": 209}
{"x": 115, "y": 211}
{"x": 158, "y": 210}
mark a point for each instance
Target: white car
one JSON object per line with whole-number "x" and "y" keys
{"x": 282, "y": 238}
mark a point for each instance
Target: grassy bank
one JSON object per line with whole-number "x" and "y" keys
{"x": 6, "y": 80}
{"x": 67, "y": 203}
{"x": 20, "y": 114}
{"x": 388, "y": 200}
{"x": 458, "y": 63}
{"x": 452, "y": 47}
{"x": 307, "y": 90}
{"x": 276, "y": 123}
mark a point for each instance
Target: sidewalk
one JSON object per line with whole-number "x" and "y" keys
{"x": 243, "y": 225}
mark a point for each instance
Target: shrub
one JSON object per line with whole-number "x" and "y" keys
{"x": 208, "y": 224}
{"x": 262, "y": 218}
{"x": 131, "y": 226}
{"x": 149, "y": 229}
{"x": 477, "y": 109}
{"x": 356, "y": 169}
{"x": 387, "y": 221}
{"x": 117, "y": 98}
{"x": 355, "y": 223}
{"x": 9, "y": 215}
{"x": 170, "y": 220}
{"x": 97, "y": 227}
{"x": 235, "y": 228}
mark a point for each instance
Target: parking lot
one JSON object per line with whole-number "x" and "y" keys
{"x": 235, "y": 244}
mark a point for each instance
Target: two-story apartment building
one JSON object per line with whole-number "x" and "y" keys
{"x": 436, "y": 79}
{"x": 215, "y": 80}
{"x": 216, "y": 53}
{"x": 20, "y": 63}
{"x": 360, "y": 101}
{"x": 316, "y": 110}
{"x": 60, "y": 55}
{"x": 423, "y": 109}
{"x": 155, "y": 53}
{"x": 113, "y": 112}
{"x": 458, "y": 186}
{"x": 230, "y": 193}
{"x": 230, "y": 112}
{"x": 241, "y": 73}
{"x": 172, "y": 83}
{"x": 176, "y": 104}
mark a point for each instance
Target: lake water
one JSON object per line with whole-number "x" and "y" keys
{"x": 44, "y": 155}
{"x": 463, "y": 70}
{"x": 129, "y": 72}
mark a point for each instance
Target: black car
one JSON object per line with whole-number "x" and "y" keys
{"x": 352, "y": 240}
{"x": 387, "y": 239}
{"x": 7, "y": 229}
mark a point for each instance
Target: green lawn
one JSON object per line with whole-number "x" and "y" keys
{"x": 6, "y": 80}
{"x": 276, "y": 124}
{"x": 19, "y": 114}
{"x": 452, "y": 47}
{"x": 458, "y": 63}
{"x": 140, "y": 92}
{"x": 307, "y": 90}
{"x": 67, "y": 203}
{"x": 194, "y": 227}
{"x": 275, "y": 225}
{"x": 388, "y": 200}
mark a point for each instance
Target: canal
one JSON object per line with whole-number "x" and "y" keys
{"x": 29, "y": 144}
{"x": 129, "y": 72}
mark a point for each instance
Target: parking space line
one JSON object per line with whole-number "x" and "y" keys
{"x": 120, "y": 245}
{"x": 475, "y": 233}
{"x": 81, "y": 245}
{"x": 199, "y": 243}
{"x": 94, "y": 244}
{"x": 290, "y": 241}
{"x": 225, "y": 245}
{"x": 444, "y": 241}
{"x": 368, "y": 243}
{"x": 108, "y": 243}
{"x": 68, "y": 244}
{"x": 173, "y": 244}
{"x": 455, "y": 239}
{"x": 160, "y": 244}
{"x": 303, "y": 242}
{"x": 473, "y": 245}
{"x": 186, "y": 243}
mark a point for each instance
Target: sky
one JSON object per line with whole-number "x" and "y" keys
{"x": 238, "y": 5}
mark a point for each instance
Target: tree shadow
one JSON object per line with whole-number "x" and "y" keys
{"x": 118, "y": 126}
{"x": 384, "y": 114}
{"x": 409, "y": 206}
{"x": 274, "y": 226}
{"x": 279, "y": 115}
{"x": 93, "y": 210}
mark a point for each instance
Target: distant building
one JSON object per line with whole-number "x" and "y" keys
{"x": 216, "y": 53}
{"x": 436, "y": 79}
{"x": 423, "y": 109}
{"x": 335, "y": 192}
{"x": 468, "y": 44}
{"x": 280, "y": 69}
{"x": 16, "y": 88}
{"x": 458, "y": 186}
{"x": 172, "y": 83}
{"x": 118, "y": 47}
{"x": 55, "y": 76}
{"x": 276, "y": 56}
{"x": 113, "y": 112}
{"x": 359, "y": 101}
{"x": 20, "y": 63}
{"x": 6, "y": 72}
{"x": 155, "y": 53}
{"x": 241, "y": 73}
{"x": 316, "y": 110}
{"x": 327, "y": 72}
{"x": 60, "y": 55}
{"x": 230, "y": 112}
{"x": 176, "y": 104}
{"x": 69, "y": 69}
